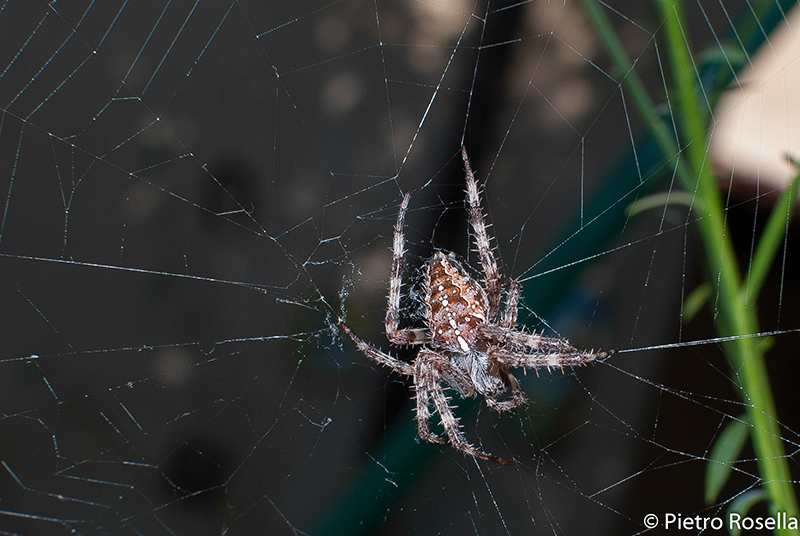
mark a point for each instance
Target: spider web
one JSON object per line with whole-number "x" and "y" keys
{"x": 193, "y": 193}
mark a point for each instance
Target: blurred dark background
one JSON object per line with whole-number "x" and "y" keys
{"x": 194, "y": 192}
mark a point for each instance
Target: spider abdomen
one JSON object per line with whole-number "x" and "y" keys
{"x": 455, "y": 304}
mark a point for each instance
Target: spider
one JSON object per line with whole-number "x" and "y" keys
{"x": 468, "y": 341}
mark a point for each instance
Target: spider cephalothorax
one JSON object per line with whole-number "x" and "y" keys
{"x": 467, "y": 341}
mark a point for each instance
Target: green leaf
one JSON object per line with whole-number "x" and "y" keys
{"x": 695, "y": 301}
{"x": 659, "y": 200}
{"x": 771, "y": 240}
{"x": 723, "y": 454}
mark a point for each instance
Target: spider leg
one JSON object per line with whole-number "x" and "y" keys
{"x": 377, "y": 355}
{"x": 517, "y": 399}
{"x": 532, "y": 343}
{"x": 488, "y": 262}
{"x": 423, "y": 387}
{"x": 428, "y": 371}
{"x": 511, "y": 309}
{"x": 392, "y": 321}
{"x": 543, "y": 352}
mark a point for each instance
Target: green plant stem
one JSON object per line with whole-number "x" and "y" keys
{"x": 732, "y": 316}
{"x": 735, "y": 317}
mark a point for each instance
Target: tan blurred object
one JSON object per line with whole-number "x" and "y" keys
{"x": 758, "y": 122}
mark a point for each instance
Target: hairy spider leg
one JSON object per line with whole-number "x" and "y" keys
{"x": 518, "y": 397}
{"x": 392, "y": 321}
{"x": 555, "y": 354}
{"x": 428, "y": 369}
{"x": 509, "y": 318}
{"x": 377, "y": 355}
{"x": 488, "y": 261}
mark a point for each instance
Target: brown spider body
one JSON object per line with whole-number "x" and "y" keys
{"x": 455, "y": 305}
{"x": 466, "y": 342}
